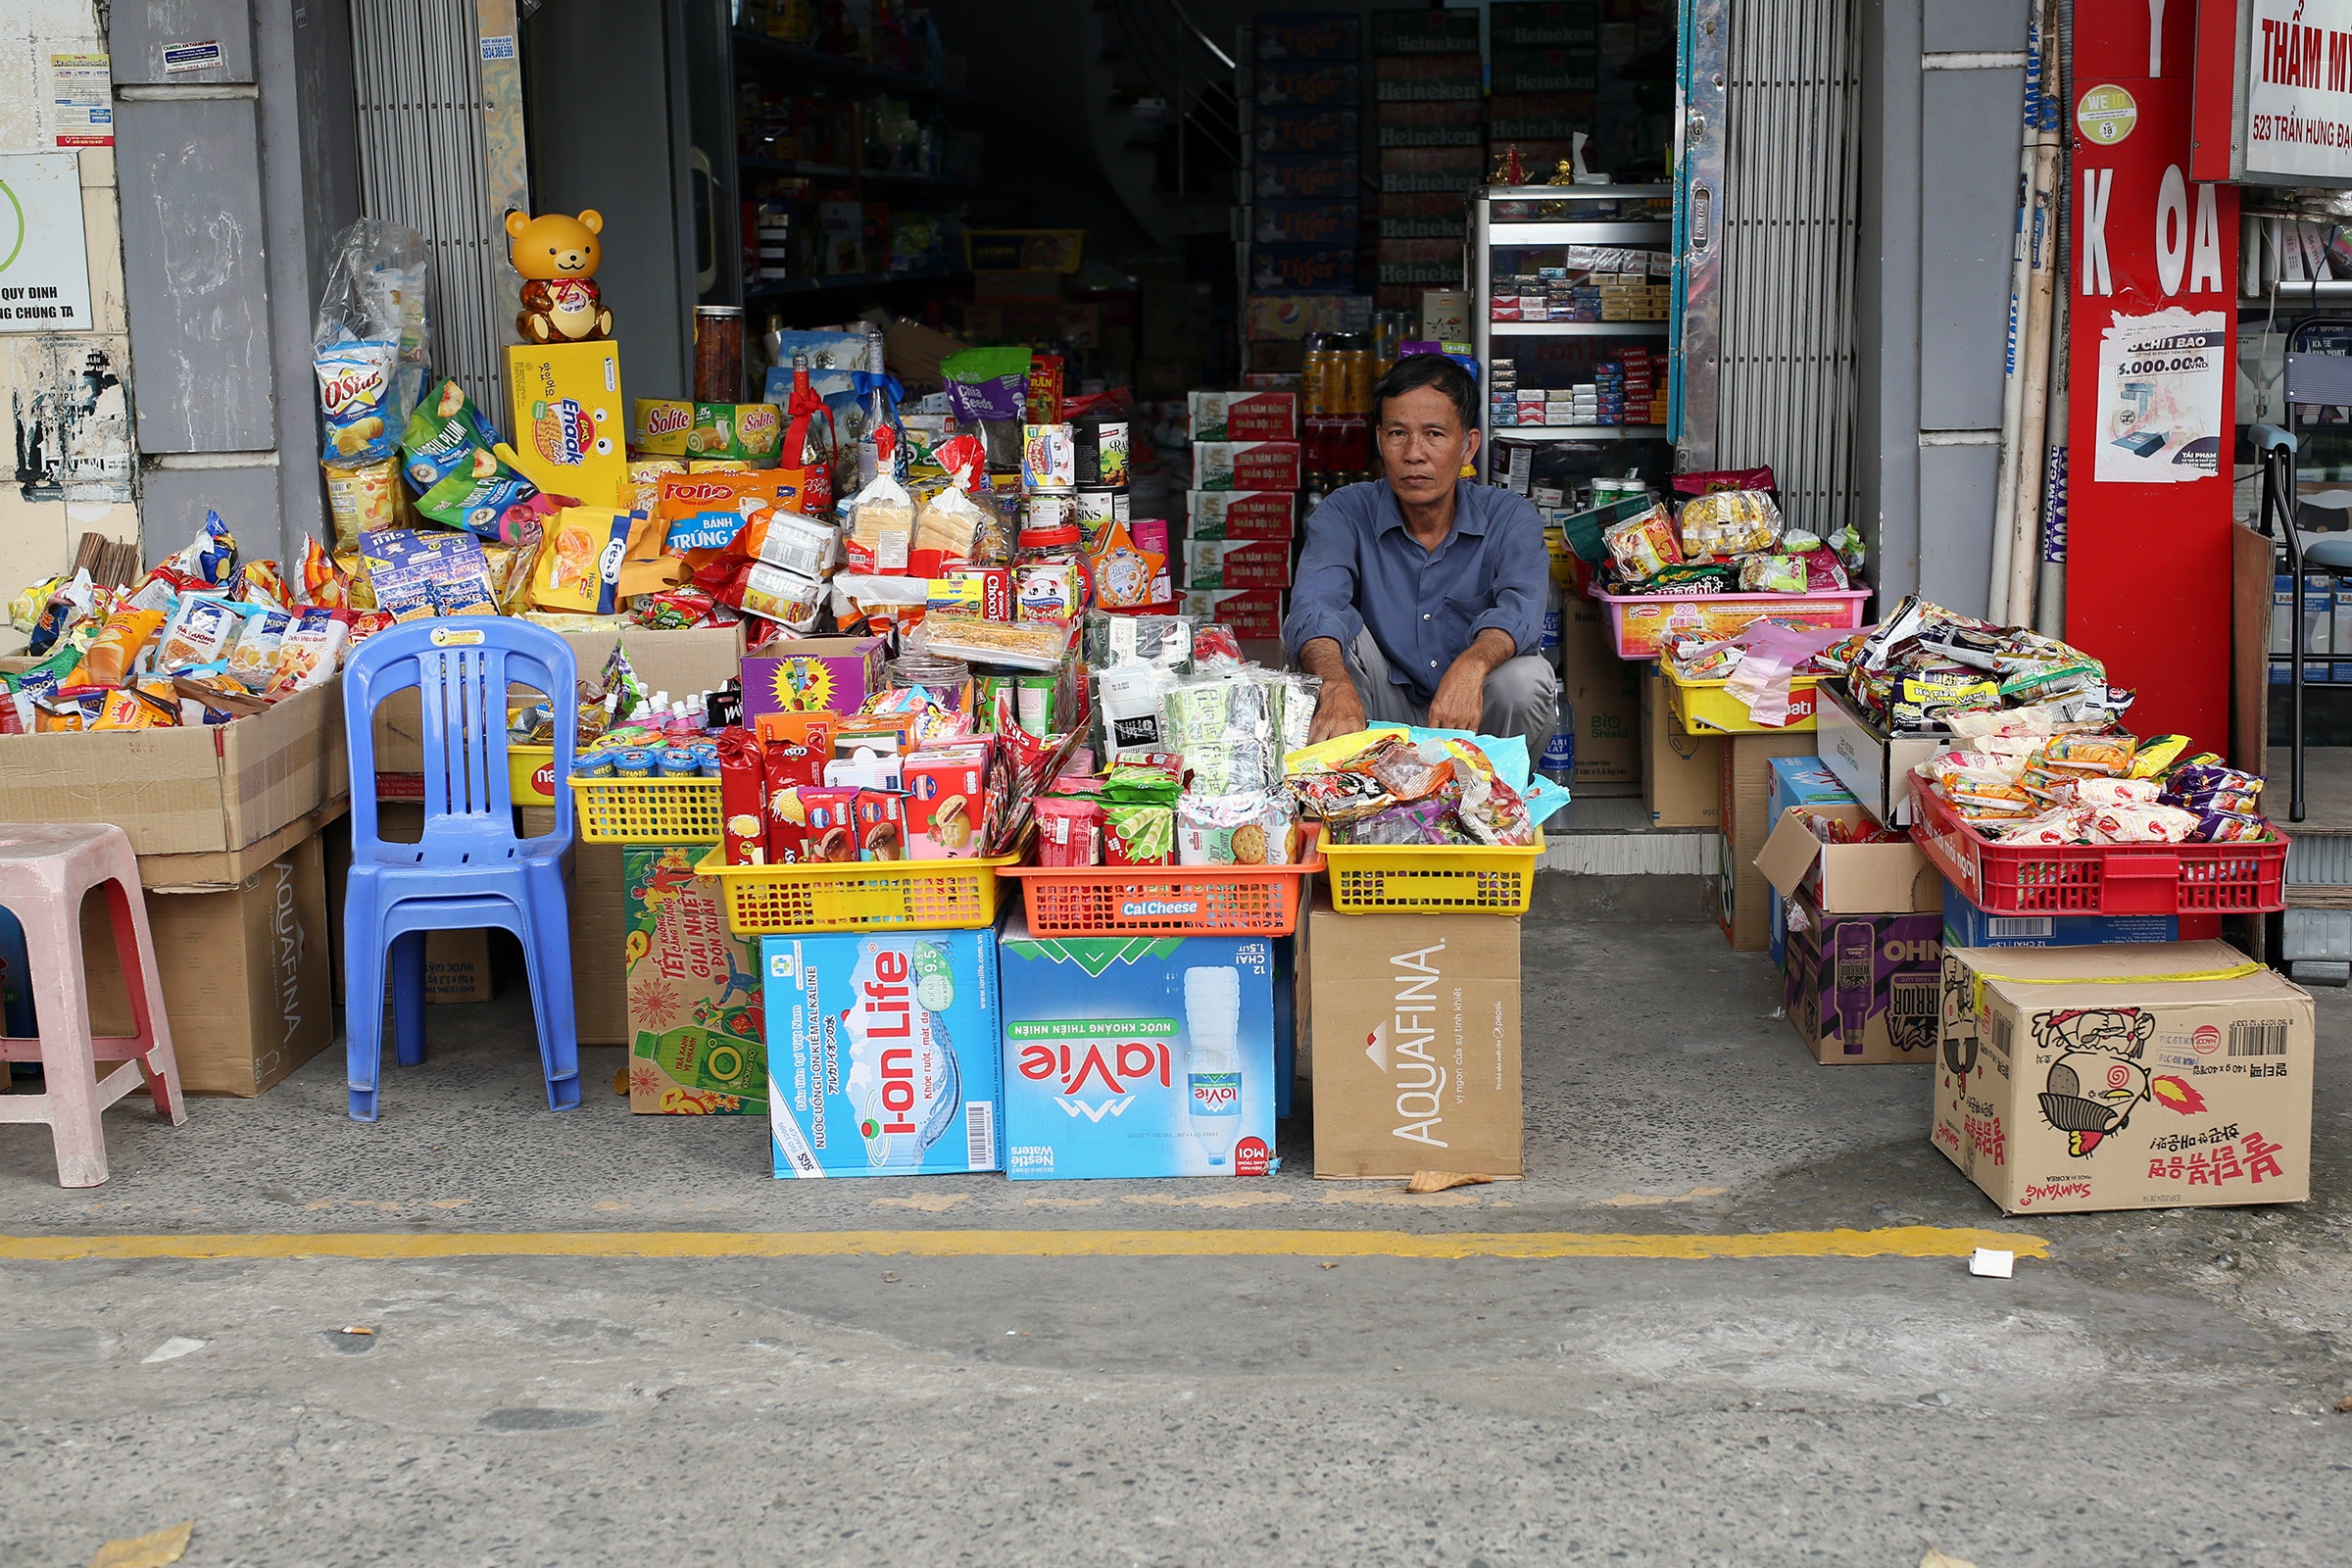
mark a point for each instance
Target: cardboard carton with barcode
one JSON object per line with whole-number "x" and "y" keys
{"x": 1847, "y": 878}
{"x": 2142, "y": 1075}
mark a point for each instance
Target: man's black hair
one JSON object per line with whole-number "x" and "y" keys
{"x": 1417, "y": 371}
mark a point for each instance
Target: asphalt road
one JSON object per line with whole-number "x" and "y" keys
{"x": 2160, "y": 1390}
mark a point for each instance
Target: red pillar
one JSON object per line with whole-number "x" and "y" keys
{"x": 2154, "y": 260}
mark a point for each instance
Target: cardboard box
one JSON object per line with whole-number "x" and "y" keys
{"x": 1412, "y": 1025}
{"x": 883, "y": 1050}
{"x": 1253, "y": 613}
{"x": 1681, "y": 774}
{"x": 1796, "y": 781}
{"x": 247, "y": 974}
{"x": 1604, "y": 697}
{"x": 680, "y": 662}
{"x": 1967, "y": 926}
{"x": 1747, "y": 820}
{"x": 1445, "y": 315}
{"x": 204, "y": 805}
{"x": 457, "y": 964}
{"x": 570, "y": 425}
{"x": 2075, "y": 1079}
{"x": 1863, "y": 989}
{"x": 1246, "y": 465}
{"x": 1112, "y": 1066}
{"x": 1242, "y": 513}
{"x": 1243, "y": 416}
{"x": 698, "y": 1045}
{"x": 1873, "y": 764}
{"x": 1214, "y": 564}
{"x": 1848, "y": 878}
{"x": 812, "y": 675}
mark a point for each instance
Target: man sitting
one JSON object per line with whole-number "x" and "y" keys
{"x": 1420, "y": 596}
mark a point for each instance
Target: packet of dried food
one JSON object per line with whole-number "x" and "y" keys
{"x": 1137, "y": 835}
{"x": 1250, "y": 827}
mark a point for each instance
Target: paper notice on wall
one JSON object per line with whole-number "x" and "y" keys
{"x": 83, "y": 99}
{"x": 2160, "y": 397}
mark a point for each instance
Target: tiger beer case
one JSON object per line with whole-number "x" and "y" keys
{"x": 2141, "y": 1075}
{"x": 572, "y": 429}
{"x": 882, "y": 1052}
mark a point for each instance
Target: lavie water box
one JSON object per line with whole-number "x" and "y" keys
{"x": 1137, "y": 1056}
{"x": 882, "y": 1052}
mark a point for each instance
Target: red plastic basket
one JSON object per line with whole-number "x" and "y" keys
{"x": 1168, "y": 900}
{"x": 2100, "y": 879}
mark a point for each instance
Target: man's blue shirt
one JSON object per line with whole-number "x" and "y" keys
{"x": 1362, "y": 568}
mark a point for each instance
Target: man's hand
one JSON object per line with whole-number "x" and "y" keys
{"x": 1338, "y": 711}
{"x": 1462, "y": 697}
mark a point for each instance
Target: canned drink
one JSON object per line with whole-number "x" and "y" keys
{"x": 1035, "y": 703}
{"x": 983, "y": 698}
{"x": 1101, "y": 455}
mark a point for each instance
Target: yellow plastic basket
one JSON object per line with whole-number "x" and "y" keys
{"x": 646, "y": 810}
{"x": 1705, "y": 707}
{"x": 857, "y": 895}
{"x": 531, "y": 774}
{"x": 1398, "y": 879}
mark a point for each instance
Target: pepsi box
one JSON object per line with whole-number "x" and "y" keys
{"x": 1967, "y": 926}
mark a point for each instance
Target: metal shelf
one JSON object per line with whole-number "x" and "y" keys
{"x": 1580, "y": 231}
{"x": 1578, "y": 328}
{"x": 1576, "y": 193}
{"x": 1577, "y": 432}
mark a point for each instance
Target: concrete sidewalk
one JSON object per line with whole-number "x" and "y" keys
{"x": 2160, "y": 1390}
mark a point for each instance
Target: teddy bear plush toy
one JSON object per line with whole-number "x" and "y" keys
{"x": 557, "y": 256}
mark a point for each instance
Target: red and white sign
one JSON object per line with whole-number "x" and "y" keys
{"x": 2274, "y": 91}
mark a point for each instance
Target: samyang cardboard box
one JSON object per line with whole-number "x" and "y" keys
{"x": 248, "y": 981}
{"x": 1848, "y": 878}
{"x": 1137, "y": 1055}
{"x": 1748, "y": 898}
{"x": 2137, "y": 1076}
{"x": 1681, "y": 774}
{"x": 883, "y": 1052}
{"x": 1415, "y": 1043}
{"x": 697, "y": 1040}
{"x": 1863, "y": 989}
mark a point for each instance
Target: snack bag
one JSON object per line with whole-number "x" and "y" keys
{"x": 478, "y": 499}
{"x": 641, "y": 491}
{"x": 361, "y": 499}
{"x": 129, "y": 708}
{"x": 254, "y": 656}
{"x": 1729, "y": 522}
{"x": 108, "y": 660}
{"x": 448, "y": 435}
{"x": 1643, "y": 545}
{"x": 311, "y": 649}
{"x": 199, "y": 632}
{"x": 355, "y": 379}
{"x": 211, "y": 558}
{"x": 579, "y": 559}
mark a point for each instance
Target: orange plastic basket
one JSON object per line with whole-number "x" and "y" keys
{"x": 1189, "y": 900}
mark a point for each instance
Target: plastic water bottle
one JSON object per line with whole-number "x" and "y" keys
{"x": 1558, "y": 762}
{"x": 1212, "y": 1071}
{"x": 1553, "y": 611}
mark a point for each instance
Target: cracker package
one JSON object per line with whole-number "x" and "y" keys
{"x": 579, "y": 559}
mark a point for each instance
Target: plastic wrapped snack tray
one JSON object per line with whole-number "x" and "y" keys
{"x": 2105, "y": 879}
{"x": 1642, "y": 624}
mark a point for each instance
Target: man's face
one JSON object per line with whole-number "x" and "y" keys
{"x": 1423, "y": 443}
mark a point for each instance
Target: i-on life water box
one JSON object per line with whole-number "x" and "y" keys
{"x": 882, "y": 1052}
{"x": 1137, "y": 1055}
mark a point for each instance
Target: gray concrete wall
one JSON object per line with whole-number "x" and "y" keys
{"x": 1945, "y": 88}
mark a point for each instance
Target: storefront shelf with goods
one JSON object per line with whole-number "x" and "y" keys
{"x": 818, "y": 285}
{"x": 761, "y": 52}
{"x": 1579, "y": 432}
{"x": 1576, "y": 329}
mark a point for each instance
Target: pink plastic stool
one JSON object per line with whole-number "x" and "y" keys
{"x": 45, "y": 869}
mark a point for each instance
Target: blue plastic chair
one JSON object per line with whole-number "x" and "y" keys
{"x": 470, "y": 869}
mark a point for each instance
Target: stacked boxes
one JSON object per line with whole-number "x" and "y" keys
{"x": 1546, "y": 69}
{"x": 1303, "y": 135}
{"x": 1241, "y": 513}
{"x": 1864, "y": 940}
{"x": 1429, "y": 117}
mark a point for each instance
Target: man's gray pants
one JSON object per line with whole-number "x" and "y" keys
{"x": 1522, "y": 695}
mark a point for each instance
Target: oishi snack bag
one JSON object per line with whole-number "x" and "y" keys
{"x": 310, "y": 650}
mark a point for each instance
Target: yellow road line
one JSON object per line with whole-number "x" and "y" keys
{"x": 1904, "y": 1241}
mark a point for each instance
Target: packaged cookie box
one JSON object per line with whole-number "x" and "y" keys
{"x": 1243, "y": 416}
{"x": 1213, "y": 564}
{"x": 1242, "y": 513}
